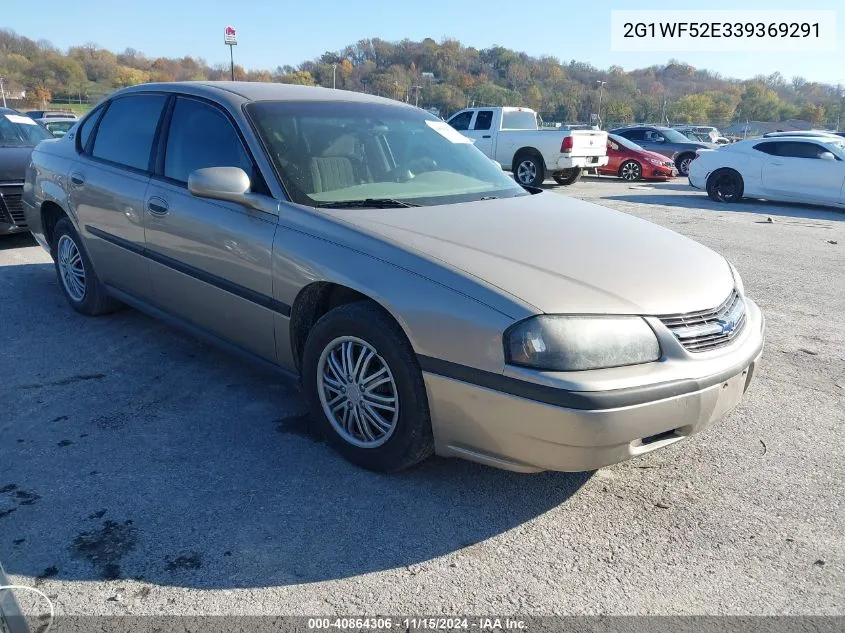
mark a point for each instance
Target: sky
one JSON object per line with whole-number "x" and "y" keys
{"x": 274, "y": 33}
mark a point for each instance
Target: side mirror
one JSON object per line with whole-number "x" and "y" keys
{"x": 827, "y": 156}
{"x": 659, "y": 139}
{"x": 230, "y": 184}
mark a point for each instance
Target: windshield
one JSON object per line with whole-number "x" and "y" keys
{"x": 328, "y": 153}
{"x": 673, "y": 136}
{"x": 624, "y": 142}
{"x": 20, "y": 131}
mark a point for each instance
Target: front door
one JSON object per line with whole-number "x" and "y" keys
{"x": 797, "y": 171}
{"x": 481, "y": 132}
{"x": 210, "y": 261}
{"x": 108, "y": 184}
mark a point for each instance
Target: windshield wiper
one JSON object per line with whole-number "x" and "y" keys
{"x": 369, "y": 203}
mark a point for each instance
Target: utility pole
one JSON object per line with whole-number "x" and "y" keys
{"x": 334, "y": 75}
{"x": 417, "y": 98}
{"x": 839, "y": 113}
{"x": 2, "y": 92}
{"x": 601, "y": 92}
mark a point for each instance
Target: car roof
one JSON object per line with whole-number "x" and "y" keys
{"x": 236, "y": 93}
{"x": 804, "y": 133}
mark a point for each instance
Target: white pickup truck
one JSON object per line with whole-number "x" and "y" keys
{"x": 511, "y": 137}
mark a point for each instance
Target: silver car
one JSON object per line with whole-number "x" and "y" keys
{"x": 425, "y": 302}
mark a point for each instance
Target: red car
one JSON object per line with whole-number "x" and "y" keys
{"x": 629, "y": 161}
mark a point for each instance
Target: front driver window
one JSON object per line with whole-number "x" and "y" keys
{"x": 201, "y": 136}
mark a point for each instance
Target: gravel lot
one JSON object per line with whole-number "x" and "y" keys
{"x": 143, "y": 472}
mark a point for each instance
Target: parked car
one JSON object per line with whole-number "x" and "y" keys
{"x": 426, "y": 301}
{"x": 50, "y": 114}
{"x": 666, "y": 141}
{"x": 512, "y": 137}
{"x": 708, "y": 133}
{"x": 58, "y": 127}
{"x": 797, "y": 168}
{"x": 821, "y": 133}
{"x": 18, "y": 135}
{"x": 629, "y": 161}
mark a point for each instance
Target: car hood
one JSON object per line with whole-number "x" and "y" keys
{"x": 559, "y": 254}
{"x": 648, "y": 154}
{"x": 13, "y": 162}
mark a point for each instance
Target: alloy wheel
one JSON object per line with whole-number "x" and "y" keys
{"x": 684, "y": 166}
{"x": 71, "y": 268}
{"x": 631, "y": 171}
{"x": 358, "y": 392}
{"x": 526, "y": 172}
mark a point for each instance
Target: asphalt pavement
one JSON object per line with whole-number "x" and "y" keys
{"x": 143, "y": 472}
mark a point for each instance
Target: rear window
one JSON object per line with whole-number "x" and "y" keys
{"x": 519, "y": 120}
{"x": 127, "y": 129}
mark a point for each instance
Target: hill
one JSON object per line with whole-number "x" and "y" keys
{"x": 444, "y": 75}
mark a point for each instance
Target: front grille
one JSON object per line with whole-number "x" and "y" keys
{"x": 708, "y": 329}
{"x": 11, "y": 205}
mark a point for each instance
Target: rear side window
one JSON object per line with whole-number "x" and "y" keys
{"x": 83, "y": 135}
{"x": 634, "y": 135}
{"x": 483, "y": 120}
{"x": 201, "y": 136}
{"x": 461, "y": 121}
{"x": 801, "y": 150}
{"x": 126, "y": 132}
{"x": 768, "y": 148}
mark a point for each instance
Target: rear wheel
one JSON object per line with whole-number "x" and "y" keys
{"x": 568, "y": 176}
{"x": 77, "y": 278}
{"x": 725, "y": 185}
{"x": 365, "y": 389}
{"x": 630, "y": 170}
{"x": 529, "y": 170}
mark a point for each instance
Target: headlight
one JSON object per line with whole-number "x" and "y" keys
{"x": 654, "y": 161}
{"x": 737, "y": 280}
{"x": 573, "y": 343}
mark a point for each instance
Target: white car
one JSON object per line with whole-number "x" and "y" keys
{"x": 807, "y": 169}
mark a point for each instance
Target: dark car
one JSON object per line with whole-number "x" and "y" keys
{"x": 18, "y": 135}
{"x": 50, "y": 114}
{"x": 666, "y": 141}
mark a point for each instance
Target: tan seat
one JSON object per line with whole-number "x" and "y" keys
{"x": 332, "y": 172}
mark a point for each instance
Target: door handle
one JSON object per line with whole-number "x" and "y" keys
{"x": 157, "y": 206}
{"x": 776, "y": 164}
{"x": 77, "y": 179}
{"x": 486, "y": 136}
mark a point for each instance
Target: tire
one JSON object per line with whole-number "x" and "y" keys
{"x": 400, "y": 438}
{"x": 725, "y": 186}
{"x": 528, "y": 170}
{"x": 631, "y": 171}
{"x": 683, "y": 162}
{"x": 77, "y": 278}
{"x": 568, "y": 176}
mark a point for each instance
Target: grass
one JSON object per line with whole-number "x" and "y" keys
{"x": 76, "y": 108}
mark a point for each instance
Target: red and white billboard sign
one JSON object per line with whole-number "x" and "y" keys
{"x": 230, "y": 36}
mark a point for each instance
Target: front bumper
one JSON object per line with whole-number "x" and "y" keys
{"x": 12, "y": 219}
{"x": 518, "y": 433}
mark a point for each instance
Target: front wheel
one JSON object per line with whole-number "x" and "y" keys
{"x": 725, "y": 185}
{"x": 77, "y": 279}
{"x": 529, "y": 170}
{"x": 630, "y": 170}
{"x": 568, "y": 176}
{"x": 365, "y": 389}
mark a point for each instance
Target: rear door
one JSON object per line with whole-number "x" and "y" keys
{"x": 210, "y": 260}
{"x": 108, "y": 183}
{"x": 482, "y": 132}
{"x": 795, "y": 170}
